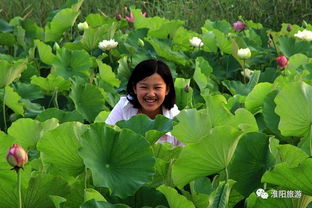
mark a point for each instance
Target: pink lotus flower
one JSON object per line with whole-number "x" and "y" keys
{"x": 17, "y": 156}
{"x": 239, "y": 26}
{"x": 282, "y": 61}
{"x": 131, "y": 18}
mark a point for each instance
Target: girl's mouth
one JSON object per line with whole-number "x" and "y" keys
{"x": 150, "y": 100}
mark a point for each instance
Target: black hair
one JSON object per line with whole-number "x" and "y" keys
{"x": 145, "y": 69}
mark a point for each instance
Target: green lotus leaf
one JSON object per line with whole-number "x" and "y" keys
{"x": 69, "y": 63}
{"x": 220, "y": 197}
{"x": 159, "y": 27}
{"x": 8, "y": 177}
{"x": 27, "y": 132}
{"x": 292, "y": 155}
{"x": 13, "y": 100}
{"x": 33, "y": 31}
{"x": 60, "y": 115}
{"x": 7, "y": 39}
{"x": 146, "y": 197}
{"x": 40, "y": 187}
{"x": 193, "y": 126}
{"x": 89, "y": 100}
{"x": 293, "y": 178}
{"x": 184, "y": 93}
{"x": 211, "y": 155}
{"x": 200, "y": 190}
{"x": 92, "y": 36}
{"x": 52, "y": 83}
{"x": 11, "y": 71}
{"x": 28, "y": 91}
{"x": 294, "y": 106}
{"x": 252, "y": 155}
{"x": 216, "y": 110}
{"x": 270, "y": 118}
{"x": 36, "y": 193}
{"x": 146, "y": 127}
{"x": 255, "y": 98}
{"x": 290, "y": 46}
{"x": 93, "y": 194}
{"x": 62, "y": 21}
{"x": 45, "y": 52}
{"x": 59, "y": 149}
{"x": 202, "y": 73}
{"x": 96, "y": 20}
{"x": 243, "y": 120}
{"x": 174, "y": 199}
{"x": 102, "y": 116}
{"x": 5, "y": 26}
{"x": 100, "y": 204}
{"x": 114, "y": 161}
{"x": 58, "y": 201}
{"x": 237, "y": 87}
{"x": 209, "y": 40}
{"x": 107, "y": 74}
{"x": 163, "y": 49}
{"x": 297, "y": 60}
{"x": 181, "y": 39}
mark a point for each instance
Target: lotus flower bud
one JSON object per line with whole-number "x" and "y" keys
{"x": 196, "y": 42}
{"x": 144, "y": 14}
{"x": 244, "y": 53}
{"x": 140, "y": 42}
{"x": 56, "y": 46}
{"x": 118, "y": 16}
{"x": 239, "y": 26}
{"x": 282, "y": 61}
{"x": 289, "y": 28}
{"x": 17, "y": 156}
{"x": 108, "y": 44}
{"x": 187, "y": 88}
{"x": 82, "y": 26}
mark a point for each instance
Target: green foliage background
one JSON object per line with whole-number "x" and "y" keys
{"x": 271, "y": 13}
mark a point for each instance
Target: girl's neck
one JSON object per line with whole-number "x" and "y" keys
{"x": 151, "y": 115}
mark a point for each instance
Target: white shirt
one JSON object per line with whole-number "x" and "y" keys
{"x": 124, "y": 110}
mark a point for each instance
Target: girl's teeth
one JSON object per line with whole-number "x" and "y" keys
{"x": 149, "y": 101}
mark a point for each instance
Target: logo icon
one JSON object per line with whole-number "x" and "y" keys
{"x": 261, "y": 193}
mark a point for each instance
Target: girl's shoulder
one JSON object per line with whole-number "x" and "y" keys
{"x": 172, "y": 112}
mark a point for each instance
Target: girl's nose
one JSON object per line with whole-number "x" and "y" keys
{"x": 151, "y": 92}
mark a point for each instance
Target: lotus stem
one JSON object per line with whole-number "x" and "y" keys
{"x": 55, "y": 99}
{"x": 3, "y": 111}
{"x": 244, "y": 71}
{"x": 19, "y": 184}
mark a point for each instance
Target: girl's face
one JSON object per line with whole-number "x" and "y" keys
{"x": 151, "y": 93}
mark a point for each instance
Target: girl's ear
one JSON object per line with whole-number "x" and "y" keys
{"x": 134, "y": 90}
{"x": 167, "y": 90}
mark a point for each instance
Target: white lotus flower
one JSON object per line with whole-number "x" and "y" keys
{"x": 82, "y": 26}
{"x": 107, "y": 45}
{"x": 247, "y": 73}
{"x": 304, "y": 35}
{"x": 244, "y": 53}
{"x": 196, "y": 42}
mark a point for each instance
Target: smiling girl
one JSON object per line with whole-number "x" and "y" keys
{"x": 150, "y": 91}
